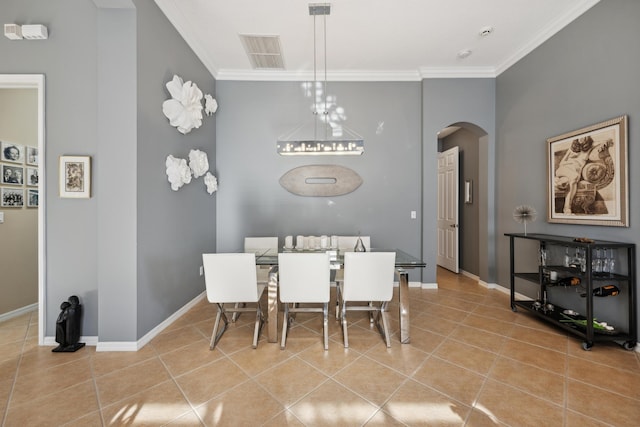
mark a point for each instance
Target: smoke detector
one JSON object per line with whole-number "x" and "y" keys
{"x": 485, "y": 31}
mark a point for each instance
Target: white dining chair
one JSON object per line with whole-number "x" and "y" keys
{"x": 304, "y": 279}
{"x": 347, "y": 244}
{"x": 368, "y": 277}
{"x": 230, "y": 278}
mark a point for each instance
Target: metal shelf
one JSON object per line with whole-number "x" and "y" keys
{"x": 588, "y": 279}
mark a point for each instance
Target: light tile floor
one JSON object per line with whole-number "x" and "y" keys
{"x": 471, "y": 362}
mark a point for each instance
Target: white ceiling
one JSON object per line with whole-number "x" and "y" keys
{"x": 371, "y": 40}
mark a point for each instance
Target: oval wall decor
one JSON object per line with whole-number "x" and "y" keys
{"x": 321, "y": 180}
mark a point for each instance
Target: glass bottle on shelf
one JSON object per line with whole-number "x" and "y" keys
{"x": 543, "y": 256}
{"x": 611, "y": 262}
{"x": 596, "y": 262}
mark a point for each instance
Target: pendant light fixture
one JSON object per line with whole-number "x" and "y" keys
{"x": 325, "y": 134}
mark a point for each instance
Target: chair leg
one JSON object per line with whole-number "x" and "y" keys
{"x": 215, "y": 337}
{"x": 385, "y": 324}
{"x": 381, "y": 314}
{"x": 372, "y": 309}
{"x": 325, "y": 324}
{"x": 258, "y": 327}
{"x": 343, "y": 317}
{"x": 338, "y": 297}
{"x": 285, "y": 326}
{"x": 237, "y": 314}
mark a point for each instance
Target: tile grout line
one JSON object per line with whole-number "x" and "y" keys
{"x": 486, "y": 378}
{"x": 184, "y": 395}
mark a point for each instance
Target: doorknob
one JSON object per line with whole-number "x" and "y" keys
{"x": 453, "y": 225}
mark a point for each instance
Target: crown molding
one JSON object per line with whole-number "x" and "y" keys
{"x": 359, "y": 75}
{"x": 457, "y": 72}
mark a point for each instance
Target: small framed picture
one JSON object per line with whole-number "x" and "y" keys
{"x": 75, "y": 177}
{"x": 32, "y": 198}
{"x": 10, "y": 152}
{"x": 31, "y": 178}
{"x": 11, "y": 197}
{"x": 13, "y": 175}
{"x": 32, "y": 156}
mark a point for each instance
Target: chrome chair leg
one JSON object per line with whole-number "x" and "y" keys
{"x": 381, "y": 315}
{"x": 338, "y": 298}
{"x": 215, "y": 337}
{"x": 325, "y": 324}
{"x": 285, "y": 326}
{"x": 258, "y": 327}
{"x": 343, "y": 318}
{"x": 385, "y": 324}
{"x": 236, "y": 314}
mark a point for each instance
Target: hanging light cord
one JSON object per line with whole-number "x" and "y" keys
{"x": 315, "y": 77}
{"x": 315, "y": 110}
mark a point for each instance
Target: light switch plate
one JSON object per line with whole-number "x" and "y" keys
{"x": 1, "y": 217}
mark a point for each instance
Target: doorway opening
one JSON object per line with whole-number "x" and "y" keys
{"x": 462, "y": 195}
{"x": 23, "y": 208}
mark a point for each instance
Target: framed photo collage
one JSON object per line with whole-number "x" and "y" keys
{"x": 19, "y": 172}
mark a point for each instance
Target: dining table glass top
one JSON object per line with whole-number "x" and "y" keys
{"x": 403, "y": 259}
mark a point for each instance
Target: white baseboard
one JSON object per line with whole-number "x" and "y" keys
{"x": 428, "y": 285}
{"x": 18, "y": 312}
{"x": 137, "y": 345}
{"x": 117, "y": 346}
{"x": 470, "y": 275}
{"x": 132, "y": 345}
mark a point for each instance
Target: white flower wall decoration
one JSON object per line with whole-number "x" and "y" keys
{"x": 184, "y": 110}
{"x": 178, "y": 172}
{"x": 210, "y": 105}
{"x": 198, "y": 162}
{"x": 211, "y": 182}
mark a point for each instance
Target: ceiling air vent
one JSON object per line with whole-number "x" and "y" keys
{"x": 263, "y": 51}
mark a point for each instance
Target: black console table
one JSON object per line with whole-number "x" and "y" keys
{"x": 578, "y": 281}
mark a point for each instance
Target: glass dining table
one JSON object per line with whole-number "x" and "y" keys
{"x": 404, "y": 262}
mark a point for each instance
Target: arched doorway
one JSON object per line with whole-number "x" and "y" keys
{"x": 470, "y": 141}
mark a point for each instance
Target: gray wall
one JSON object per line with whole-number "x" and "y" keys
{"x": 19, "y": 232}
{"x": 251, "y": 201}
{"x": 69, "y": 65}
{"x": 585, "y": 74}
{"x": 446, "y": 102}
{"x": 104, "y": 94}
{"x": 468, "y": 144}
{"x": 174, "y": 228}
{"x": 116, "y": 146}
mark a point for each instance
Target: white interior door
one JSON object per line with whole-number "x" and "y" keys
{"x": 448, "y": 210}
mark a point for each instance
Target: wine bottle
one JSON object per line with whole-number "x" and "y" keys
{"x": 569, "y": 281}
{"x": 606, "y": 290}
